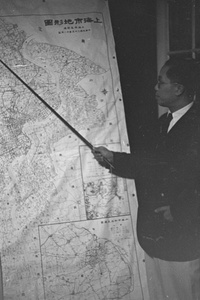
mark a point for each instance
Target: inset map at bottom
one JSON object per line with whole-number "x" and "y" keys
{"x": 82, "y": 262}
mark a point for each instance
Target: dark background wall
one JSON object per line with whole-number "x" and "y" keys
{"x": 134, "y": 28}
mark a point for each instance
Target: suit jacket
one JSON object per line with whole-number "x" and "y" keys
{"x": 168, "y": 173}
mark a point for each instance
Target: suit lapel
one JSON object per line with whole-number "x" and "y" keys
{"x": 185, "y": 121}
{"x": 179, "y": 134}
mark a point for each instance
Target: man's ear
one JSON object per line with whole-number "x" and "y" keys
{"x": 180, "y": 89}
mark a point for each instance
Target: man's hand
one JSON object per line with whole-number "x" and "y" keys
{"x": 100, "y": 153}
{"x": 166, "y": 212}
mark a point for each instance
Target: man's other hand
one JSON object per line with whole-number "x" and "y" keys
{"x": 166, "y": 212}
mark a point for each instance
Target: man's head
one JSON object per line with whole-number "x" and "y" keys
{"x": 177, "y": 84}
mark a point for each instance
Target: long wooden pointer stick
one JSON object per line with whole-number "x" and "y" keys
{"x": 55, "y": 113}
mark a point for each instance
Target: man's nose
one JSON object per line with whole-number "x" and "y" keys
{"x": 156, "y": 87}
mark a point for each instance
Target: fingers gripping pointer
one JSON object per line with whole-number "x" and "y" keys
{"x": 103, "y": 155}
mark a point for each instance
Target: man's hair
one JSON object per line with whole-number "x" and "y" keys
{"x": 185, "y": 72}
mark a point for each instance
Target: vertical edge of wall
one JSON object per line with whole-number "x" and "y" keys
{"x": 162, "y": 38}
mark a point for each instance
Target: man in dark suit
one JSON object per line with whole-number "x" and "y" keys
{"x": 167, "y": 177}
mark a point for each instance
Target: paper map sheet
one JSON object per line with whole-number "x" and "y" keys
{"x": 67, "y": 227}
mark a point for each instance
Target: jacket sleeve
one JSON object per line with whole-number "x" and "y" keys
{"x": 137, "y": 165}
{"x": 183, "y": 185}
{"x": 178, "y": 179}
{"x": 125, "y": 165}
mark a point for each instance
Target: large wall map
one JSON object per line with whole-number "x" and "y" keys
{"x": 66, "y": 228}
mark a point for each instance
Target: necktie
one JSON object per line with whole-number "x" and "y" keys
{"x": 166, "y": 123}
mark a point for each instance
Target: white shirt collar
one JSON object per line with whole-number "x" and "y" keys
{"x": 182, "y": 111}
{"x": 178, "y": 114}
